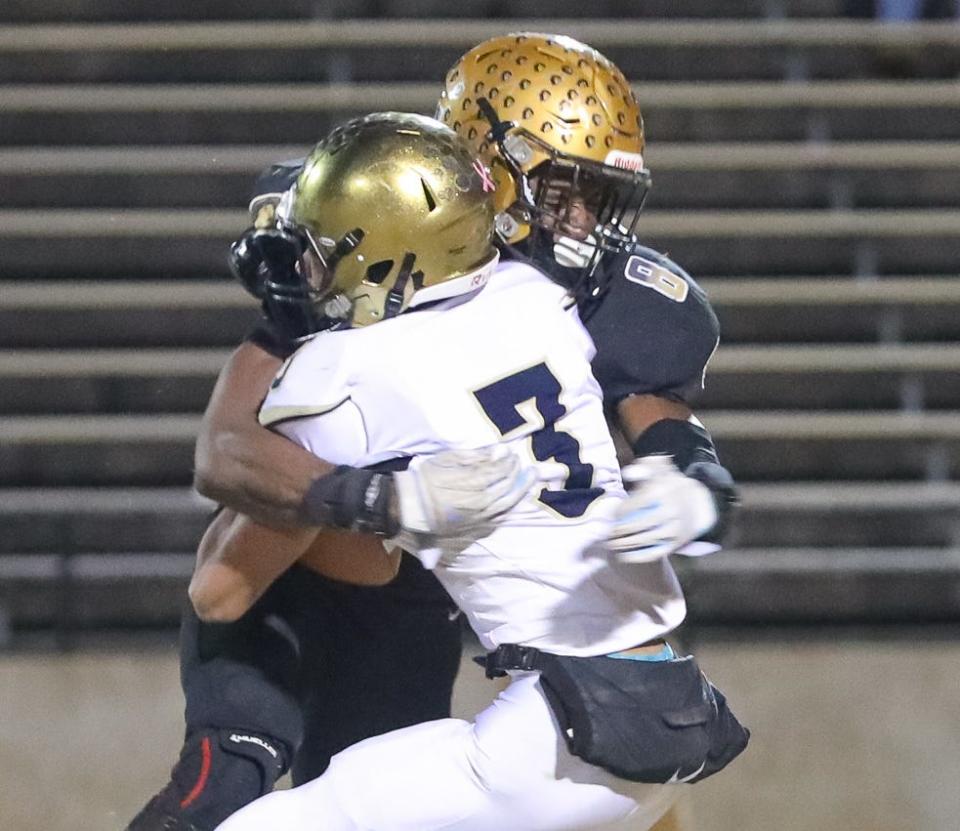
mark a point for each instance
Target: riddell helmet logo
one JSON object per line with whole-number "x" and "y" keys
{"x": 625, "y": 161}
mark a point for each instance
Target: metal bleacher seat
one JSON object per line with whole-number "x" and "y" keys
{"x": 191, "y": 242}
{"x": 688, "y": 175}
{"x": 805, "y": 166}
{"x": 323, "y": 50}
{"x": 837, "y": 309}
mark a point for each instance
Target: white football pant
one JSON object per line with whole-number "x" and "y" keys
{"x": 509, "y": 770}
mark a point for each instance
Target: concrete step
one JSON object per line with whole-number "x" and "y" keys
{"x": 832, "y": 515}
{"x": 151, "y": 243}
{"x": 145, "y": 313}
{"x": 767, "y": 446}
{"x": 820, "y": 585}
{"x": 192, "y": 242}
{"x": 743, "y": 9}
{"x": 834, "y": 376}
{"x": 108, "y": 381}
{"x": 839, "y": 552}
{"x": 841, "y": 514}
{"x": 143, "y": 10}
{"x": 72, "y": 114}
{"x": 151, "y": 450}
{"x": 738, "y": 586}
{"x": 157, "y": 450}
{"x": 68, "y": 593}
{"x": 28, "y": 11}
{"x": 809, "y": 377}
{"x": 805, "y": 175}
{"x": 808, "y": 309}
{"x": 423, "y": 50}
{"x": 769, "y": 242}
{"x": 717, "y": 175}
{"x": 100, "y": 313}
{"x": 62, "y": 521}
{"x": 150, "y": 177}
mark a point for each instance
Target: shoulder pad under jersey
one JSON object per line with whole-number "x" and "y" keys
{"x": 653, "y": 327}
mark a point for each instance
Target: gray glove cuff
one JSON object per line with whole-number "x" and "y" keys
{"x": 353, "y": 499}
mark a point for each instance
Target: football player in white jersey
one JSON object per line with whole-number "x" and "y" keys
{"x": 395, "y": 222}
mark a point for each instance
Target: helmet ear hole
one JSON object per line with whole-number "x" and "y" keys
{"x": 377, "y": 272}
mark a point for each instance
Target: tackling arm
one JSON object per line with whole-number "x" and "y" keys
{"x": 245, "y": 466}
{"x": 238, "y": 559}
{"x": 257, "y": 472}
{"x": 655, "y": 332}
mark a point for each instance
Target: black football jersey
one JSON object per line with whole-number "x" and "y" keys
{"x": 277, "y": 178}
{"x": 653, "y": 328}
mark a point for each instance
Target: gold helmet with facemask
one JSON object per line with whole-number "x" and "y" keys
{"x": 391, "y": 211}
{"x": 558, "y": 125}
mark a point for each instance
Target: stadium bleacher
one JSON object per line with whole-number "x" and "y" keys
{"x": 807, "y": 167}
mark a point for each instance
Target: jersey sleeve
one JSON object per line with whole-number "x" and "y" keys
{"x": 312, "y": 381}
{"x": 336, "y": 435}
{"x": 654, "y": 330}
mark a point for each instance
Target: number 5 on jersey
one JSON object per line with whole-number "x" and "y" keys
{"x": 507, "y": 403}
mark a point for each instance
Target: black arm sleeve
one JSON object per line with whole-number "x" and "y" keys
{"x": 270, "y": 338}
{"x": 650, "y": 340}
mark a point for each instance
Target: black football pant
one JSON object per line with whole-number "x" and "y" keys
{"x": 314, "y": 667}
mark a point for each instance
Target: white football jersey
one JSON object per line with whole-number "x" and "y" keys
{"x": 511, "y": 365}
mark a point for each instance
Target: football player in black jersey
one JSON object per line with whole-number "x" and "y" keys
{"x": 319, "y": 663}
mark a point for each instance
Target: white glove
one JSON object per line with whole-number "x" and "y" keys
{"x": 456, "y": 491}
{"x": 661, "y": 513}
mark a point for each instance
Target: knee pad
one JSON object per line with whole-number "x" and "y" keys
{"x": 242, "y": 674}
{"x": 219, "y": 772}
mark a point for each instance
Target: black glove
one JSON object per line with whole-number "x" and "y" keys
{"x": 267, "y": 263}
{"x": 264, "y": 260}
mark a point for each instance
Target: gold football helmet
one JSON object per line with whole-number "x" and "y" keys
{"x": 562, "y": 133}
{"x": 391, "y": 211}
